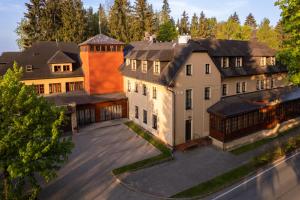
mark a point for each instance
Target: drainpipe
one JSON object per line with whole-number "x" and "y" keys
{"x": 173, "y": 118}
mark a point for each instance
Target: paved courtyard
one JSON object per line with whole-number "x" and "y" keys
{"x": 87, "y": 174}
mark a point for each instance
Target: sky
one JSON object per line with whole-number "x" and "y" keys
{"x": 12, "y": 11}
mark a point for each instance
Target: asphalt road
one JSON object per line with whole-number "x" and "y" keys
{"x": 281, "y": 181}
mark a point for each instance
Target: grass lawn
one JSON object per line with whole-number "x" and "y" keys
{"x": 229, "y": 178}
{"x": 254, "y": 145}
{"x": 166, "y": 153}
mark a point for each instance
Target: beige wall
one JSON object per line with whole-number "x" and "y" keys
{"x": 161, "y": 106}
{"x": 280, "y": 80}
{"x": 46, "y": 82}
{"x": 197, "y": 82}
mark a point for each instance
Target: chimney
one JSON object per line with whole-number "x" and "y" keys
{"x": 184, "y": 39}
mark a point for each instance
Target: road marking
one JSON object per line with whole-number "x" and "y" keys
{"x": 259, "y": 174}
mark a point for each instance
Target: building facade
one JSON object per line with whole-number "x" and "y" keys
{"x": 83, "y": 78}
{"x": 191, "y": 79}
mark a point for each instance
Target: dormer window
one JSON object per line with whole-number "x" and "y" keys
{"x": 273, "y": 61}
{"x": 133, "y": 65}
{"x": 263, "y": 61}
{"x": 57, "y": 68}
{"x": 28, "y": 68}
{"x": 144, "y": 66}
{"x": 156, "y": 67}
{"x": 225, "y": 62}
{"x": 66, "y": 68}
{"x": 127, "y": 61}
{"x": 238, "y": 61}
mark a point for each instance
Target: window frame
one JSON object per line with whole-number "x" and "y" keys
{"x": 188, "y": 70}
{"x": 145, "y": 116}
{"x": 136, "y": 112}
{"x": 156, "y": 67}
{"x": 154, "y": 92}
{"x": 136, "y": 87}
{"x": 207, "y": 68}
{"x": 154, "y": 122}
{"x": 226, "y": 90}
{"x": 239, "y": 62}
{"x": 133, "y": 65}
{"x": 144, "y": 89}
{"x": 29, "y": 68}
{"x": 238, "y": 88}
{"x": 207, "y": 89}
{"x": 144, "y": 66}
{"x": 244, "y": 87}
{"x": 226, "y": 59}
{"x": 189, "y": 101}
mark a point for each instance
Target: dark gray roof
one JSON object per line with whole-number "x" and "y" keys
{"x": 38, "y": 56}
{"x": 238, "y": 104}
{"x": 101, "y": 39}
{"x": 60, "y": 57}
{"x": 218, "y": 47}
{"x": 176, "y": 55}
{"x": 6, "y": 57}
{"x": 82, "y": 98}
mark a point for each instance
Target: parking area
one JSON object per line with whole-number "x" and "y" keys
{"x": 98, "y": 150}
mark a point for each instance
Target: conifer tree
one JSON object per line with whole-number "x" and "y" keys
{"x": 267, "y": 34}
{"x": 92, "y": 22}
{"x": 73, "y": 19}
{"x": 102, "y": 20}
{"x": 184, "y": 24}
{"x": 29, "y": 29}
{"x": 211, "y": 27}
{"x": 167, "y": 32}
{"x": 250, "y": 21}
{"x": 140, "y": 11}
{"x": 165, "y": 12}
{"x": 235, "y": 18}
{"x": 195, "y": 26}
{"x": 119, "y": 18}
{"x": 203, "y": 26}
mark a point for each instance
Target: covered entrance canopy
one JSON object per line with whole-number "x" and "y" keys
{"x": 237, "y": 116}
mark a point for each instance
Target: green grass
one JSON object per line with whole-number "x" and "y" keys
{"x": 237, "y": 174}
{"x": 218, "y": 182}
{"x": 166, "y": 153}
{"x": 254, "y": 145}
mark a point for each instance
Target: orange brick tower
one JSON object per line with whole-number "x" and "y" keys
{"x": 101, "y": 58}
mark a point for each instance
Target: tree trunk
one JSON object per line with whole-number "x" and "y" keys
{"x": 5, "y": 184}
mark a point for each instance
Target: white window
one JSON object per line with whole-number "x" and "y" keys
{"x": 239, "y": 62}
{"x": 263, "y": 61}
{"x": 156, "y": 67}
{"x": 207, "y": 69}
{"x": 127, "y": 61}
{"x": 28, "y": 68}
{"x": 273, "y": 61}
{"x": 225, "y": 62}
{"x": 128, "y": 86}
{"x": 144, "y": 66}
{"x": 133, "y": 65}
{"x": 154, "y": 94}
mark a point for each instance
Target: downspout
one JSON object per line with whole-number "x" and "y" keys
{"x": 173, "y": 117}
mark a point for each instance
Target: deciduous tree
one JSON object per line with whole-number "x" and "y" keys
{"x": 30, "y": 138}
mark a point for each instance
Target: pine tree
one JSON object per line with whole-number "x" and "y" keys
{"x": 250, "y": 21}
{"x": 165, "y": 12}
{"x": 211, "y": 27}
{"x": 74, "y": 24}
{"x": 195, "y": 26}
{"x": 167, "y": 32}
{"x": 184, "y": 24}
{"x": 51, "y": 21}
{"x": 102, "y": 21}
{"x": 281, "y": 35}
{"x": 92, "y": 22}
{"x": 140, "y": 11}
{"x": 29, "y": 29}
{"x": 267, "y": 34}
{"x": 203, "y": 26}
{"x": 150, "y": 20}
{"x": 119, "y": 18}
{"x": 235, "y": 18}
